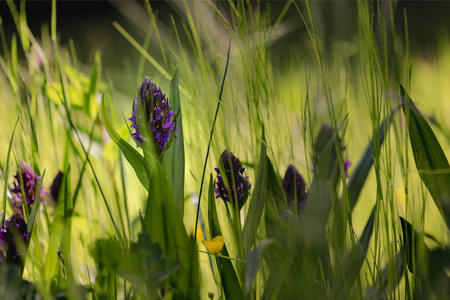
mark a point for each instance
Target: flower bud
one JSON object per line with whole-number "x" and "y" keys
{"x": 11, "y": 248}
{"x": 232, "y": 185}
{"x": 152, "y": 117}
{"x": 30, "y": 181}
{"x": 294, "y": 187}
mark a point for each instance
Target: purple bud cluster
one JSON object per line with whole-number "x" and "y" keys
{"x": 13, "y": 238}
{"x": 13, "y": 234}
{"x": 151, "y": 108}
{"x": 294, "y": 187}
{"x": 232, "y": 185}
{"x": 28, "y": 179}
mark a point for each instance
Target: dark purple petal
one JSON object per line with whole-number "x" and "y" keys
{"x": 10, "y": 251}
{"x": 30, "y": 180}
{"x": 294, "y": 187}
{"x": 238, "y": 184}
{"x": 156, "y": 112}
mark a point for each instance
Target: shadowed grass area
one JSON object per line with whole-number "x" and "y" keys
{"x": 124, "y": 206}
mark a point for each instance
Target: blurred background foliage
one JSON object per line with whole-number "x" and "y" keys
{"x": 272, "y": 73}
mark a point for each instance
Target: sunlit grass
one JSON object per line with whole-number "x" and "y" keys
{"x": 64, "y": 126}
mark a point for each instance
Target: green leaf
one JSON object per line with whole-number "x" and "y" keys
{"x": 427, "y": 265}
{"x": 88, "y": 106}
{"x": 361, "y": 171}
{"x": 164, "y": 223}
{"x": 319, "y": 200}
{"x": 274, "y": 187}
{"x": 258, "y": 200}
{"x": 228, "y": 277}
{"x": 174, "y": 156}
{"x": 12, "y": 286}
{"x": 145, "y": 263}
{"x": 253, "y": 261}
{"x": 275, "y": 282}
{"x": 137, "y": 161}
{"x": 355, "y": 259}
{"x": 318, "y": 207}
{"x": 429, "y": 157}
{"x": 51, "y": 270}
{"x": 275, "y": 203}
{"x": 192, "y": 274}
{"x": 394, "y": 267}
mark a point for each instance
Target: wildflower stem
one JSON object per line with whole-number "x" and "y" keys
{"x": 5, "y": 174}
{"x": 210, "y": 139}
{"x": 223, "y": 256}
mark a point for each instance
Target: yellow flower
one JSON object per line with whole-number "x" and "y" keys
{"x": 200, "y": 236}
{"x": 216, "y": 245}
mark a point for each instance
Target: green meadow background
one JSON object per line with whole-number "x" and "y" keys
{"x": 292, "y": 67}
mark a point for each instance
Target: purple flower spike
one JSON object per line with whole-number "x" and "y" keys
{"x": 13, "y": 238}
{"x": 231, "y": 181}
{"x": 294, "y": 187}
{"x": 153, "y": 109}
{"x": 30, "y": 181}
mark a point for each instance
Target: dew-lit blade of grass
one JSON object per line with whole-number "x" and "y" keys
{"x": 6, "y": 174}
{"x": 228, "y": 277}
{"x": 258, "y": 199}
{"x": 174, "y": 157}
{"x": 355, "y": 259}
{"x": 361, "y": 171}
{"x": 139, "y": 164}
{"x": 431, "y": 162}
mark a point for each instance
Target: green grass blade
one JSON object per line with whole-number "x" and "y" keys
{"x": 174, "y": 157}
{"x": 394, "y": 267}
{"x": 274, "y": 187}
{"x": 361, "y": 171}
{"x": 426, "y": 265}
{"x": 431, "y": 162}
{"x": 229, "y": 279}
{"x": 142, "y": 51}
{"x": 318, "y": 203}
{"x": 164, "y": 223}
{"x": 318, "y": 208}
{"x": 139, "y": 164}
{"x": 37, "y": 201}
{"x": 6, "y": 174}
{"x": 210, "y": 139}
{"x": 253, "y": 262}
{"x": 258, "y": 200}
{"x": 50, "y": 269}
{"x": 355, "y": 259}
